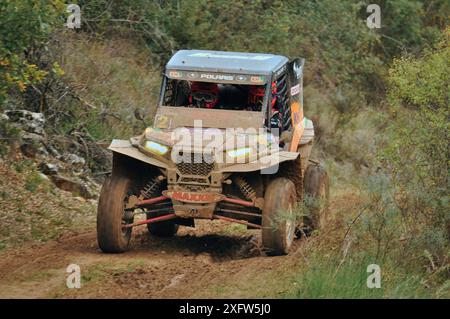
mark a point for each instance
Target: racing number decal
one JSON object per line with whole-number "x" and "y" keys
{"x": 295, "y": 114}
{"x": 162, "y": 121}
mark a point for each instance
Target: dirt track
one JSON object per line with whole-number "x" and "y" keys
{"x": 213, "y": 260}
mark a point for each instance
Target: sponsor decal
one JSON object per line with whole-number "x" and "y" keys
{"x": 257, "y": 79}
{"x": 295, "y": 90}
{"x": 295, "y": 111}
{"x": 210, "y": 76}
{"x": 189, "y": 197}
{"x": 297, "y": 70}
{"x": 216, "y": 77}
{"x": 175, "y": 74}
{"x": 163, "y": 121}
{"x": 296, "y": 117}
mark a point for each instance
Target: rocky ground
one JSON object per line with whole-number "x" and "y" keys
{"x": 70, "y": 162}
{"x": 46, "y": 188}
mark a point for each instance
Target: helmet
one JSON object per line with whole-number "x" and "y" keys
{"x": 204, "y": 94}
{"x": 256, "y": 94}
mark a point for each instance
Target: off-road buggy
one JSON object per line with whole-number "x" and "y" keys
{"x": 229, "y": 141}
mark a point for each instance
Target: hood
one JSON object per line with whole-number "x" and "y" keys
{"x": 229, "y": 146}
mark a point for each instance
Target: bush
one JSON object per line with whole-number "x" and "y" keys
{"x": 25, "y": 27}
{"x": 424, "y": 82}
{"x": 414, "y": 155}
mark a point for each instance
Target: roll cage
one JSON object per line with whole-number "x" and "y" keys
{"x": 288, "y": 80}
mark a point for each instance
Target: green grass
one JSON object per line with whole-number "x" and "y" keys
{"x": 103, "y": 270}
{"x": 41, "y": 275}
{"x": 233, "y": 229}
{"x": 333, "y": 279}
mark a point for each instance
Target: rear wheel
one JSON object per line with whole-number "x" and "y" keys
{"x": 317, "y": 190}
{"x": 278, "y": 222}
{"x": 165, "y": 228}
{"x": 112, "y": 237}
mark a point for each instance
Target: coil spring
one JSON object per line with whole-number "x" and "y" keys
{"x": 150, "y": 188}
{"x": 245, "y": 188}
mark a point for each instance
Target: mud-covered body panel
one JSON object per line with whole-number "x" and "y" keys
{"x": 132, "y": 150}
{"x": 125, "y": 147}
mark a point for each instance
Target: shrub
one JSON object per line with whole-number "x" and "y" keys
{"x": 414, "y": 154}
{"x": 25, "y": 27}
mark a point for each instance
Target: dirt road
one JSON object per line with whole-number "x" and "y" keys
{"x": 216, "y": 259}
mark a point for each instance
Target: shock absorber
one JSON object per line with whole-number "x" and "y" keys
{"x": 246, "y": 189}
{"x": 151, "y": 187}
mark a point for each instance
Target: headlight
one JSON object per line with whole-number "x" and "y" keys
{"x": 156, "y": 147}
{"x": 239, "y": 152}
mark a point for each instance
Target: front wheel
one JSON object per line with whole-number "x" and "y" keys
{"x": 278, "y": 220}
{"x": 166, "y": 228}
{"x": 112, "y": 237}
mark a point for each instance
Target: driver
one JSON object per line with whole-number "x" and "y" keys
{"x": 256, "y": 98}
{"x": 204, "y": 95}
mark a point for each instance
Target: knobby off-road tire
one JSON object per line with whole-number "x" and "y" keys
{"x": 278, "y": 222}
{"x": 165, "y": 228}
{"x": 111, "y": 237}
{"x": 317, "y": 191}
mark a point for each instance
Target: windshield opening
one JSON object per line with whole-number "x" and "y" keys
{"x": 211, "y": 95}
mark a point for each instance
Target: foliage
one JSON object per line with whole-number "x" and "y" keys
{"x": 403, "y": 222}
{"x": 347, "y": 278}
{"x": 410, "y": 25}
{"x": 423, "y": 82}
{"x": 289, "y": 28}
{"x": 415, "y": 156}
{"x": 24, "y": 29}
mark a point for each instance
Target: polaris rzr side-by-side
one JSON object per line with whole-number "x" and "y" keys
{"x": 229, "y": 141}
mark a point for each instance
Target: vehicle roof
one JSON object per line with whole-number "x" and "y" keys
{"x": 226, "y": 62}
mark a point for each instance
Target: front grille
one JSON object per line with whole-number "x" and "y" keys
{"x": 195, "y": 164}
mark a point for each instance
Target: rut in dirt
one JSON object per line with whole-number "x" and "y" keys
{"x": 160, "y": 267}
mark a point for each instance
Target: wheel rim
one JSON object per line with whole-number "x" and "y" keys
{"x": 126, "y": 231}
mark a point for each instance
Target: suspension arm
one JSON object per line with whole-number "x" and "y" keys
{"x": 151, "y": 220}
